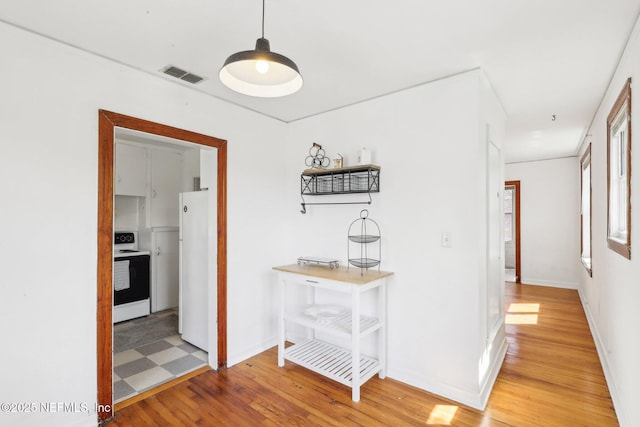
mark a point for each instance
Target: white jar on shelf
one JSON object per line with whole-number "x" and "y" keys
{"x": 364, "y": 158}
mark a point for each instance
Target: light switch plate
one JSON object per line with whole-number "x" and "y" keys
{"x": 445, "y": 239}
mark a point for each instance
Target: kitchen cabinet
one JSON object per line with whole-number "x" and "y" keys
{"x": 130, "y": 170}
{"x": 347, "y": 324}
{"x": 163, "y": 244}
{"x": 165, "y": 271}
{"x": 166, "y": 174}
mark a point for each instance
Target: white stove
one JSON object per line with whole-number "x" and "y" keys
{"x": 126, "y": 244}
{"x": 131, "y": 278}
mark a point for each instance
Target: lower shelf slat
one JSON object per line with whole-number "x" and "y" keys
{"x": 331, "y": 361}
{"x": 340, "y": 326}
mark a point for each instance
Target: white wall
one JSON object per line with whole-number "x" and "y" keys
{"x": 550, "y": 233}
{"x": 49, "y": 105}
{"x": 430, "y": 143}
{"x": 429, "y": 140}
{"x": 611, "y": 297}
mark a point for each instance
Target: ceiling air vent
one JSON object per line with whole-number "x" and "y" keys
{"x": 181, "y": 74}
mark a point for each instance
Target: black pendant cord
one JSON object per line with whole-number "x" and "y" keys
{"x": 262, "y": 18}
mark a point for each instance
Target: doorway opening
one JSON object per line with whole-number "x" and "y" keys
{"x": 107, "y": 122}
{"x": 162, "y": 335}
{"x": 512, "y": 231}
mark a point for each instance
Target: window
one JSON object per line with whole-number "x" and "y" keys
{"x": 585, "y": 209}
{"x": 619, "y": 174}
{"x": 508, "y": 215}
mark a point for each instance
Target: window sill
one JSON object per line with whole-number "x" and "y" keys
{"x": 621, "y": 248}
{"x": 586, "y": 263}
{"x": 619, "y": 238}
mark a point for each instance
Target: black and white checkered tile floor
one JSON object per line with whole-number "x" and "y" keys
{"x": 139, "y": 369}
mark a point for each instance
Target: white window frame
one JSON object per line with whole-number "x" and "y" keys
{"x": 509, "y": 211}
{"x": 619, "y": 174}
{"x": 585, "y": 210}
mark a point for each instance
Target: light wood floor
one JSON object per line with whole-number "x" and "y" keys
{"x": 551, "y": 377}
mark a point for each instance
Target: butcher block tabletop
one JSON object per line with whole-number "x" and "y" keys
{"x": 341, "y": 274}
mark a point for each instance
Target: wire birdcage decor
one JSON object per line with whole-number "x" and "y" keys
{"x": 362, "y": 252}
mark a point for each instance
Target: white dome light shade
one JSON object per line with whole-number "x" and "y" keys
{"x": 261, "y": 73}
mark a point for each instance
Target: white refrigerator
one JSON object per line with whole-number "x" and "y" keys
{"x": 194, "y": 268}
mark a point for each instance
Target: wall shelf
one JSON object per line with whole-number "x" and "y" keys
{"x": 362, "y": 179}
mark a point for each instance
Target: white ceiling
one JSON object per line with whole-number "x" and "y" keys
{"x": 543, "y": 57}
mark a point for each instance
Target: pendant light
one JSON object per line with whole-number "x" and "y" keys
{"x": 260, "y": 72}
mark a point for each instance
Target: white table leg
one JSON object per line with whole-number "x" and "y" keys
{"x": 281, "y": 325}
{"x": 355, "y": 345}
{"x": 382, "y": 338}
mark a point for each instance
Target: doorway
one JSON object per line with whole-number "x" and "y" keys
{"x": 107, "y": 122}
{"x": 152, "y": 344}
{"x": 512, "y": 231}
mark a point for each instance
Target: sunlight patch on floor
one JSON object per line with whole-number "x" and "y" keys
{"x": 522, "y": 314}
{"x": 521, "y": 319}
{"x": 442, "y": 415}
{"x": 524, "y": 308}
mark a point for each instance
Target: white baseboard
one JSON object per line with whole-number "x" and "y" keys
{"x": 477, "y": 400}
{"x": 604, "y": 361}
{"x": 251, "y": 351}
{"x": 487, "y": 386}
{"x": 416, "y": 379}
{"x": 551, "y": 283}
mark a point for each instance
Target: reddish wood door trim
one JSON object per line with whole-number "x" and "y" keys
{"x": 516, "y": 184}
{"x": 107, "y": 121}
